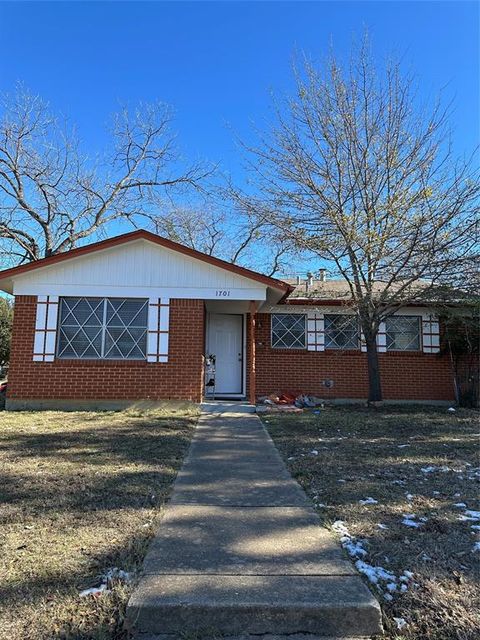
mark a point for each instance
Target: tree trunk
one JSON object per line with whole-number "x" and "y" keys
{"x": 374, "y": 382}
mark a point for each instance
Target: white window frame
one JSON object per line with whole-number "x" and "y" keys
{"x": 296, "y": 315}
{"x": 415, "y": 349}
{"x": 104, "y": 327}
{"x": 351, "y": 318}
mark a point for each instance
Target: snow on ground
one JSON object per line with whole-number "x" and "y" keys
{"x": 409, "y": 520}
{"x": 385, "y": 581}
{"x": 401, "y": 623}
{"x": 108, "y": 577}
{"x": 368, "y": 500}
{"x": 473, "y": 514}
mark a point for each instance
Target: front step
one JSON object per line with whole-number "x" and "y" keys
{"x": 220, "y": 605}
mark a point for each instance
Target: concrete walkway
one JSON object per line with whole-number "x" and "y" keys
{"x": 240, "y": 550}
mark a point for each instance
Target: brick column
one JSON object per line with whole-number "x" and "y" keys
{"x": 252, "y": 386}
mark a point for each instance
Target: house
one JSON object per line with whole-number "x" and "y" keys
{"x": 133, "y": 317}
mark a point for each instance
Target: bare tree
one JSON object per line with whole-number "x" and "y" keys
{"x": 356, "y": 173}
{"x": 238, "y": 237}
{"x": 52, "y": 196}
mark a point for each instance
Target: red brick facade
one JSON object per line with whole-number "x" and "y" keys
{"x": 405, "y": 375}
{"x": 180, "y": 378}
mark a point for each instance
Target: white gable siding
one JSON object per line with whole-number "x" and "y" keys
{"x": 139, "y": 269}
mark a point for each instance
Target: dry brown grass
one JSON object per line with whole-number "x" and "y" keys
{"x": 80, "y": 493}
{"x": 363, "y": 448}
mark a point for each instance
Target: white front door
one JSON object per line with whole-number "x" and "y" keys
{"x": 225, "y": 342}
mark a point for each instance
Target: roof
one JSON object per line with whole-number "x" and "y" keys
{"x": 335, "y": 291}
{"x": 7, "y": 275}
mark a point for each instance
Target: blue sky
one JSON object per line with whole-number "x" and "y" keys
{"x": 215, "y": 62}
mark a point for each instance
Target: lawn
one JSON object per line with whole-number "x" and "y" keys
{"x": 417, "y": 472}
{"x": 80, "y": 495}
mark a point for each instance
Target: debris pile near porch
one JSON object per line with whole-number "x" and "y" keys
{"x": 288, "y": 402}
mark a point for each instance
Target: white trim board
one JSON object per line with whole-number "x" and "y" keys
{"x": 109, "y": 291}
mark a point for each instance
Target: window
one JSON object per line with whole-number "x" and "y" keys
{"x": 110, "y": 328}
{"x": 288, "y": 331}
{"x": 403, "y": 333}
{"x": 341, "y": 332}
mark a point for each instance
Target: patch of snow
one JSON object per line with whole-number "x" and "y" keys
{"x": 408, "y": 521}
{"x": 409, "y": 496}
{"x": 93, "y": 591}
{"x": 473, "y": 514}
{"x": 392, "y": 587}
{"x": 354, "y": 549}
{"x": 388, "y": 597}
{"x": 340, "y": 527}
{"x": 451, "y": 409}
{"x": 475, "y": 527}
{"x": 400, "y": 622}
{"x": 402, "y": 446}
{"x": 382, "y": 526}
{"x": 442, "y": 469}
{"x": 368, "y": 500}
{"x": 341, "y": 480}
{"x": 314, "y": 452}
{"x": 112, "y": 574}
{"x": 476, "y": 547}
{"x": 116, "y": 574}
{"x": 375, "y": 574}
{"x": 460, "y": 505}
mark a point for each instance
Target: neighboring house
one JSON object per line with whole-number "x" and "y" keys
{"x": 133, "y": 317}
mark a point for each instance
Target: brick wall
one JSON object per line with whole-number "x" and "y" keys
{"x": 180, "y": 378}
{"x": 405, "y": 376}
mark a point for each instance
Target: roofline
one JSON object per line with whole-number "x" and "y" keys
{"x": 142, "y": 234}
{"x": 336, "y": 302}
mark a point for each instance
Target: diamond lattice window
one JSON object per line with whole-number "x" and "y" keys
{"x": 403, "y": 333}
{"x": 110, "y": 328}
{"x": 288, "y": 331}
{"x": 341, "y": 332}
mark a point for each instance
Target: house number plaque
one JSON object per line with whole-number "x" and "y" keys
{"x": 222, "y": 293}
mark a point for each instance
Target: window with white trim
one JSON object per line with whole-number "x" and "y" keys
{"x": 403, "y": 333}
{"x": 341, "y": 331}
{"x": 102, "y": 328}
{"x": 288, "y": 331}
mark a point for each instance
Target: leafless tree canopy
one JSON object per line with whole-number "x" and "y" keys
{"x": 356, "y": 172}
{"x": 238, "y": 237}
{"x": 52, "y": 196}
